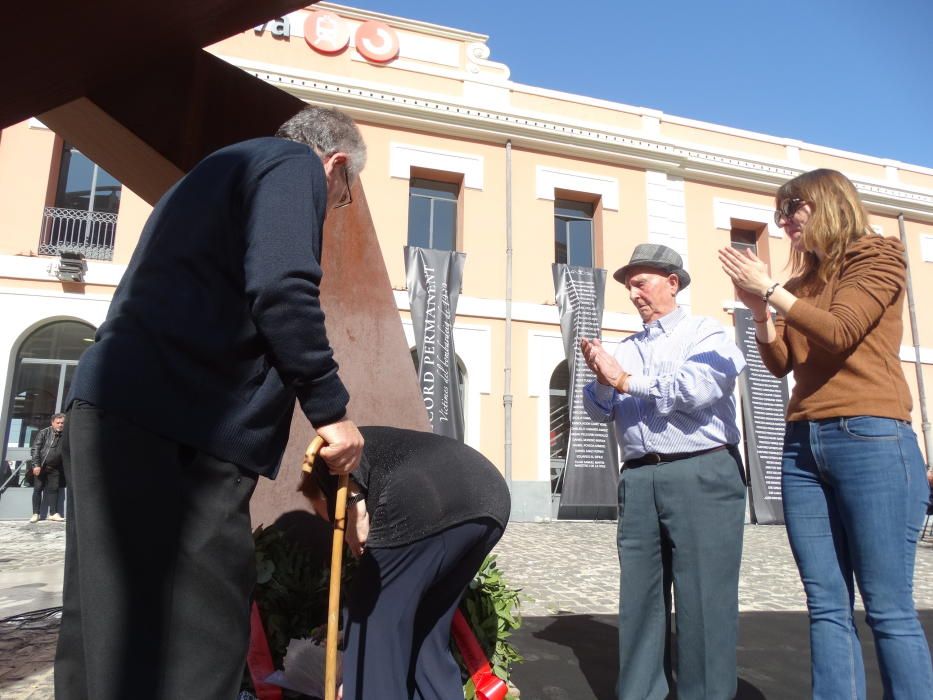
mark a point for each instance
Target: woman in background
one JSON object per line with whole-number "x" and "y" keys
{"x": 853, "y": 478}
{"x": 423, "y": 512}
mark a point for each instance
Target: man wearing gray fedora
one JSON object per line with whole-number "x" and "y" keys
{"x": 669, "y": 391}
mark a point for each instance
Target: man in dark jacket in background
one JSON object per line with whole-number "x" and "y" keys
{"x": 184, "y": 400}
{"x": 46, "y": 469}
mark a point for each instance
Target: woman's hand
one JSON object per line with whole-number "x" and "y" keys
{"x": 317, "y": 500}
{"x": 357, "y": 528}
{"x": 749, "y": 274}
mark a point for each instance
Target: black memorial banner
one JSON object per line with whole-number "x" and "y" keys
{"x": 434, "y": 278}
{"x": 591, "y": 470}
{"x": 764, "y": 403}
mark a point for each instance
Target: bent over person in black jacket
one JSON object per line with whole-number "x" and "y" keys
{"x": 423, "y": 512}
{"x": 185, "y": 400}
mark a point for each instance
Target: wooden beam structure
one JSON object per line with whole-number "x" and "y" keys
{"x": 131, "y": 86}
{"x": 137, "y": 73}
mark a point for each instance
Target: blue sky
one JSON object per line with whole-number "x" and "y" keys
{"x": 849, "y": 74}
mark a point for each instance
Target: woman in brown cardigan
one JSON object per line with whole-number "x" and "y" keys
{"x": 852, "y": 475}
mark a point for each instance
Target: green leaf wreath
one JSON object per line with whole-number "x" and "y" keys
{"x": 491, "y": 607}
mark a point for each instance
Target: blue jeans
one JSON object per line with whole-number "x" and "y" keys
{"x": 854, "y": 493}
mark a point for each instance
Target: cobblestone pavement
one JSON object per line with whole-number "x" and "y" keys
{"x": 573, "y": 567}
{"x": 561, "y": 567}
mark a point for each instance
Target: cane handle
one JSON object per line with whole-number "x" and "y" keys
{"x": 308, "y": 463}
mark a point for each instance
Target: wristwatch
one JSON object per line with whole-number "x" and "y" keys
{"x": 356, "y": 498}
{"x": 767, "y": 295}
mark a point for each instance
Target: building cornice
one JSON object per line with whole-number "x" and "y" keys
{"x": 659, "y": 117}
{"x": 42, "y": 269}
{"x": 390, "y": 106}
{"x": 401, "y": 23}
{"x": 478, "y": 54}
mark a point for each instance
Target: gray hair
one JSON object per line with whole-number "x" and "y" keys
{"x": 327, "y": 131}
{"x": 57, "y": 416}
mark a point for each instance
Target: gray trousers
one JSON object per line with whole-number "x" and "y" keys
{"x": 680, "y": 522}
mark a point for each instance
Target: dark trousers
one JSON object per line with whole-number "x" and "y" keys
{"x": 49, "y": 483}
{"x": 680, "y": 522}
{"x": 400, "y": 611}
{"x": 157, "y": 587}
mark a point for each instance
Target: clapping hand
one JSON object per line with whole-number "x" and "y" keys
{"x": 749, "y": 274}
{"x": 607, "y": 369}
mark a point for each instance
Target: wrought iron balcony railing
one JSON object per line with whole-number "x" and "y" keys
{"x": 90, "y": 233}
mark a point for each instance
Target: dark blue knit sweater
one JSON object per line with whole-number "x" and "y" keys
{"x": 216, "y": 326}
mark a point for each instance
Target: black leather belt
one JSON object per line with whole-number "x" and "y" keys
{"x": 655, "y": 458}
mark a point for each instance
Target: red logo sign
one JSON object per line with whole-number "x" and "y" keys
{"x": 377, "y": 41}
{"x": 326, "y": 32}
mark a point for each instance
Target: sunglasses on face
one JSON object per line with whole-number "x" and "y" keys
{"x": 786, "y": 209}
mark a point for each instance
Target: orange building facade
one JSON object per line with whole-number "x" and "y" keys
{"x": 460, "y": 157}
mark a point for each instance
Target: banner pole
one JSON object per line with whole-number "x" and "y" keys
{"x": 507, "y": 380}
{"x": 915, "y": 335}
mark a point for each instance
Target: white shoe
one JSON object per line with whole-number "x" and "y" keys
{"x": 34, "y": 518}
{"x": 57, "y": 518}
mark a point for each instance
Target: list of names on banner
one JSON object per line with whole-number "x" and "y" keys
{"x": 587, "y": 439}
{"x": 766, "y": 396}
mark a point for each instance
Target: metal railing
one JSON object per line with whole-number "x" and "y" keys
{"x": 90, "y": 233}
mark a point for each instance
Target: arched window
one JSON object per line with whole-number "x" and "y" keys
{"x": 45, "y": 366}
{"x": 558, "y": 389}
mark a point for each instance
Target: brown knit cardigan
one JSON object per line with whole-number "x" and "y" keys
{"x": 843, "y": 341}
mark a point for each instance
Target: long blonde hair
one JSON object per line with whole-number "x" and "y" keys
{"x": 837, "y": 218}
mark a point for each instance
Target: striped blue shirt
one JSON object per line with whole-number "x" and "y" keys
{"x": 680, "y": 397}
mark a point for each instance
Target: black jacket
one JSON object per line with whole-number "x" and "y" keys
{"x": 47, "y": 449}
{"x": 418, "y": 484}
{"x": 216, "y": 327}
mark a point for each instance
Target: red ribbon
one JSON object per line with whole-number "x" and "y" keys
{"x": 488, "y": 685}
{"x": 259, "y": 658}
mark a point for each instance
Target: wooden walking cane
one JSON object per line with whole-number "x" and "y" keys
{"x": 336, "y": 565}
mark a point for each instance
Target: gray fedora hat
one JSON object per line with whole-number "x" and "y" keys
{"x": 657, "y": 256}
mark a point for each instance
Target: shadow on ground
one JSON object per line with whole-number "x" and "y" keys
{"x": 574, "y": 657}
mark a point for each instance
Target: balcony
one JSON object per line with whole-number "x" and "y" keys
{"x": 90, "y": 233}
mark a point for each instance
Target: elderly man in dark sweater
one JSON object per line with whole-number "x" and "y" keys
{"x": 185, "y": 400}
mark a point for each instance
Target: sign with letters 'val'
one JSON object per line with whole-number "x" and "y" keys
{"x": 764, "y": 402}
{"x": 591, "y": 472}
{"x": 434, "y": 278}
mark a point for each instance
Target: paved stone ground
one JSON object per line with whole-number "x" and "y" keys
{"x": 31, "y": 563}
{"x": 561, "y": 567}
{"x": 573, "y": 567}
